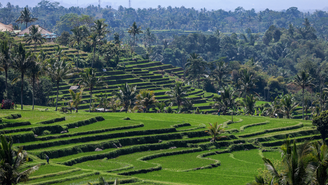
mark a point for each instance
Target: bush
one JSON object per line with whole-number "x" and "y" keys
{"x": 46, "y": 132}
{"x": 7, "y": 104}
{"x": 169, "y": 110}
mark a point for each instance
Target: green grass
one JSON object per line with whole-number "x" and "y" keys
{"x": 238, "y": 167}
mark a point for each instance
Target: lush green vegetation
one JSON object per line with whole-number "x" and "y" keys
{"x": 171, "y": 148}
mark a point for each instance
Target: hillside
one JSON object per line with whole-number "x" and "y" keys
{"x": 145, "y": 74}
{"x": 148, "y": 148}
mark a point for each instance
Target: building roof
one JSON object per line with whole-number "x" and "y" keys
{"x": 41, "y": 30}
{"x": 4, "y": 27}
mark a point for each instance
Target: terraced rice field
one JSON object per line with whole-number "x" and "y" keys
{"x": 150, "y": 148}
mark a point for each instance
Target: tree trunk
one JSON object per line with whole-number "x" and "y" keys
{"x": 57, "y": 94}
{"x": 76, "y": 109}
{"x": 33, "y": 82}
{"x": 22, "y": 87}
{"x": 303, "y": 103}
{"x": 94, "y": 53}
{"x": 6, "y": 72}
{"x": 90, "y": 98}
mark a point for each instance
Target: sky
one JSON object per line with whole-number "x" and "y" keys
{"x": 258, "y": 5}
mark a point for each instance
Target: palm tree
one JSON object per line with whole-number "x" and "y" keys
{"x": 303, "y": 80}
{"x": 161, "y": 106}
{"x": 90, "y": 81}
{"x": 177, "y": 94}
{"x": 22, "y": 61}
{"x": 26, "y": 17}
{"x": 288, "y": 105}
{"x": 134, "y": 30}
{"x": 274, "y": 107}
{"x": 99, "y": 31}
{"x": 249, "y": 103}
{"x": 5, "y": 61}
{"x": 34, "y": 36}
{"x": 219, "y": 71}
{"x": 79, "y": 34}
{"x": 58, "y": 70}
{"x": 76, "y": 98}
{"x": 127, "y": 96}
{"x": 103, "y": 101}
{"x": 295, "y": 163}
{"x": 320, "y": 165}
{"x": 34, "y": 73}
{"x": 145, "y": 100}
{"x": 226, "y": 101}
{"x": 246, "y": 81}
{"x": 195, "y": 67}
{"x": 215, "y": 130}
{"x": 11, "y": 163}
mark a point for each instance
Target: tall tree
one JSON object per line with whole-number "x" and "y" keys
{"x": 288, "y": 105}
{"x": 11, "y": 163}
{"x": 246, "y": 81}
{"x": 22, "y": 61}
{"x": 145, "y": 100}
{"x": 219, "y": 71}
{"x": 34, "y": 36}
{"x": 26, "y": 17}
{"x": 178, "y": 94}
{"x": 195, "y": 67}
{"x": 90, "y": 81}
{"x": 226, "y": 101}
{"x": 58, "y": 70}
{"x": 134, "y": 30}
{"x": 34, "y": 73}
{"x": 303, "y": 80}
{"x": 127, "y": 95}
{"x": 76, "y": 98}
{"x": 5, "y": 61}
{"x": 99, "y": 31}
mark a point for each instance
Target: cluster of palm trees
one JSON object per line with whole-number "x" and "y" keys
{"x": 128, "y": 98}
{"x": 301, "y": 164}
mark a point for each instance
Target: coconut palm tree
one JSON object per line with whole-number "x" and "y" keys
{"x": 34, "y": 36}
{"x": 226, "y": 101}
{"x": 246, "y": 81}
{"x": 58, "y": 70}
{"x": 127, "y": 96}
{"x": 177, "y": 94}
{"x": 99, "y": 31}
{"x": 21, "y": 62}
{"x": 215, "y": 130}
{"x": 288, "y": 105}
{"x": 90, "y": 80}
{"x": 11, "y": 163}
{"x": 303, "y": 80}
{"x": 79, "y": 34}
{"x": 145, "y": 100}
{"x": 114, "y": 103}
{"x": 273, "y": 108}
{"x": 5, "y": 61}
{"x": 26, "y": 17}
{"x": 195, "y": 67}
{"x": 76, "y": 98}
{"x": 134, "y": 30}
{"x": 34, "y": 73}
{"x": 320, "y": 163}
{"x": 295, "y": 163}
{"x": 219, "y": 71}
{"x": 249, "y": 104}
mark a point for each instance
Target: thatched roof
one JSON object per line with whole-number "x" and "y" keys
{"x": 4, "y": 27}
{"x": 41, "y": 30}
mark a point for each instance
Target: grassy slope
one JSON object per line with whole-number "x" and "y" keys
{"x": 238, "y": 167}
